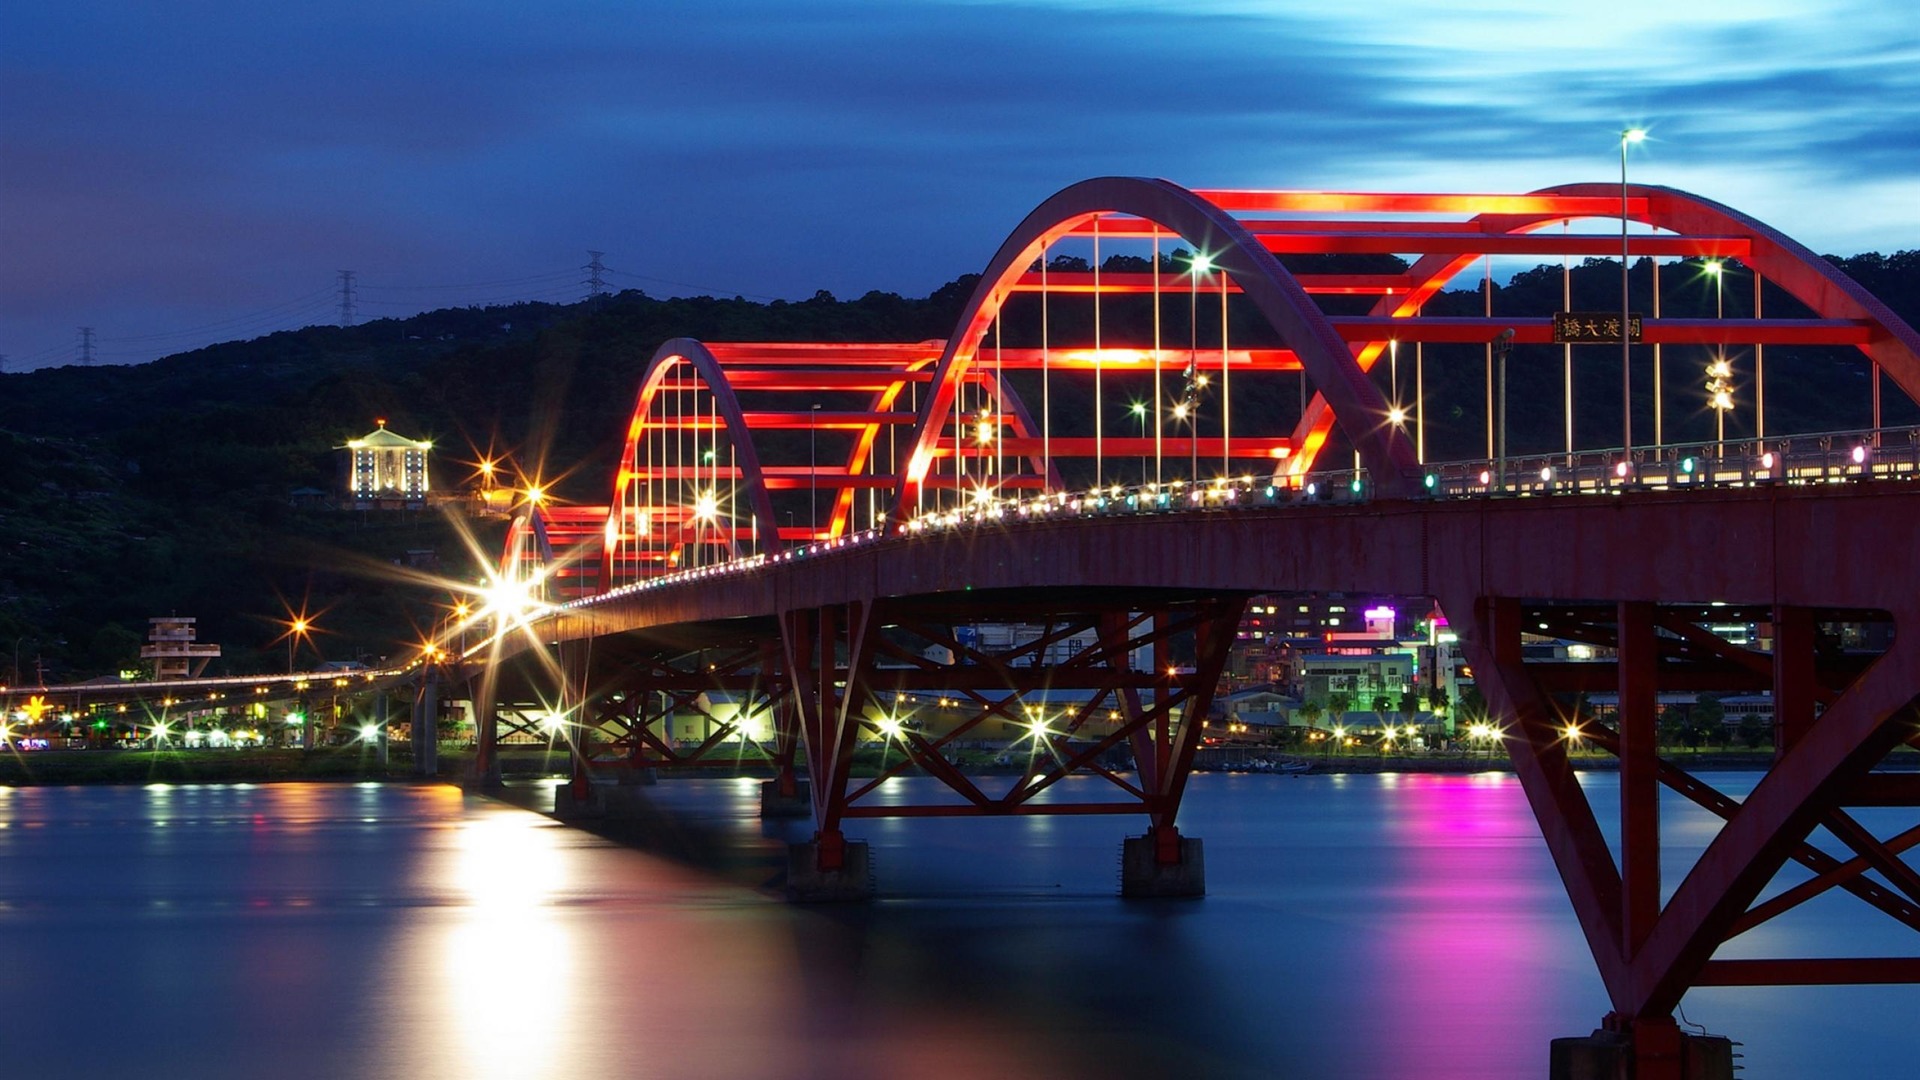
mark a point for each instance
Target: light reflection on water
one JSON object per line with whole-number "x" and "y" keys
{"x": 1357, "y": 927}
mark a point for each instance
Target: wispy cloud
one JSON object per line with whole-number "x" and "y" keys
{"x": 166, "y": 165}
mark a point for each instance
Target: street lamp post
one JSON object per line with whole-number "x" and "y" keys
{"x": 1139, "y": 411}
{"x": 294, "y": 631}
{"x": 1630, "y": 135}
{"x": 1719, "y": 371}
{"x": 813, "y": 478}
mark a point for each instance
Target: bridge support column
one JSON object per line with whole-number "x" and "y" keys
{"x": 485, "y": 772}
{"x": 1162, "y": 865}
{"x": 426, "y": 723}
{"x": 829, "y": 868}
{"x": 786, "y": 797}
{"x": 1649, "y": 1048}
{"x": 828, "y": 654}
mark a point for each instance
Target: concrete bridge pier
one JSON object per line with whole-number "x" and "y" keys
{"x": 1649, "y": 1048}
{"x": 829, "y": 869}
{"x": 1162, "y": 865}
{"x": 785, "y": 797}
{"x": 588, "y": 801}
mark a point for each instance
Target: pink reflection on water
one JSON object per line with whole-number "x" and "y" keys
{"x": 1479, "y": 934}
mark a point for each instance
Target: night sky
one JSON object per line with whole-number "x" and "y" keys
{"x": 178, "y": 173}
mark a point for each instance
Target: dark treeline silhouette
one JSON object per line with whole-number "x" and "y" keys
{"x": 135, "y": 491}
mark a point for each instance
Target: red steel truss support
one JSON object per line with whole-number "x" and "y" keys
{"x": 829, "y": 651}
{"x": 1649, "y": 955}
{"x": 622, "y": 716}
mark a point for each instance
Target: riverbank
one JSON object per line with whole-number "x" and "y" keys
{"x": 360, "y": 763}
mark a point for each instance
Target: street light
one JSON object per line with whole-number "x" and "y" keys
{"x": 1630, "y": 135}
{"x": 1720, "y": 399}
{"x": 295, "y": 631}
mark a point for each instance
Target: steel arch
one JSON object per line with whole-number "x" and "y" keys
{"x": 1383, "y": 450}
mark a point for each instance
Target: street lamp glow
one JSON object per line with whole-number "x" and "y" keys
{"x": 1202, "y": 263}
{"x": 890, "y": 727}
{"x": 553, "y": 721}
{"x": 1713, "y": 267}
{"x": 369, "y": 732}
{"x": 1634, "y": 135}
{"x": 706, "y": 507}
{"x": 1396, "y": 416}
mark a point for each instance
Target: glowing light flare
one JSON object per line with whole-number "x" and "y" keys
{"x": 706, "y": 506}
{"x": 369, "y": 732}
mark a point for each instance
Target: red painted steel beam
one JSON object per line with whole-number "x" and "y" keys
{"x": 1175, "y": 284}
{"x": 1479, "y": 330}
{"x": 1122, "y": 358}
{"x": 1639, "y": 774}
{"x": 850, "y": 353}
{"x": 1829, "y": 971}
{"x": 1117, "y": 449}
{"x": 805, "y": 379}
{"x": 1382, "y": 202}
{"x": 1477, "y": 244}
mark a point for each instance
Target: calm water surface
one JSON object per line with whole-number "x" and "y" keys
{"x": 1363, "y": 926}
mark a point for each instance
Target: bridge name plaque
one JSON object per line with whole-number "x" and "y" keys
{"x": 1592, "y": 328}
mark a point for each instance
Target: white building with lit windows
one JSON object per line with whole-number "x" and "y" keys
{"x": 385, "y": 466}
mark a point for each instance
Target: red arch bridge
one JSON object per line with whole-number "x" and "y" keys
{"x": 1159, "y": 403}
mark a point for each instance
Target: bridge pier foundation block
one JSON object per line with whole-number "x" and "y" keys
{"x": 1647, "y": 1050}
{"x": 1144, "y": 876}
{"x": 599, "y": 802}
{"x": 482, "y": 777}
{"x": 807, "y": 883}
{"x": 775, "y": 805}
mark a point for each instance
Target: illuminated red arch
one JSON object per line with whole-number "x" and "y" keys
{"x": 889, "y": 369}
{"x": 1384, "y": 451}
{"x": 1778, "y": 258}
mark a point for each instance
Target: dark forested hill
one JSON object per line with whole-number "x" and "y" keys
{"x": 128, "y": 492}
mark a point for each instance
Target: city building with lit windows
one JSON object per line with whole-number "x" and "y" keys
{"x": 385, "y": 466}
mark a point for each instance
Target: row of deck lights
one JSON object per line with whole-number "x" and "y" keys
{"x": 1172, "y": 495}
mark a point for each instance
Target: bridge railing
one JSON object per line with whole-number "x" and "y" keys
{"x": 1822, "y": 457}
{"x": 1819, "y": 457}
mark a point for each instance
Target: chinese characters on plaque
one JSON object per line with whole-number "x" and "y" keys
{"x": 1592, "y": 328}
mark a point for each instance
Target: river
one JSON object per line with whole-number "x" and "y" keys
{"x": 1356, "y": 926}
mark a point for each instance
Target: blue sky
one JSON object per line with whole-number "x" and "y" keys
{"x": 184, "y": 172}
